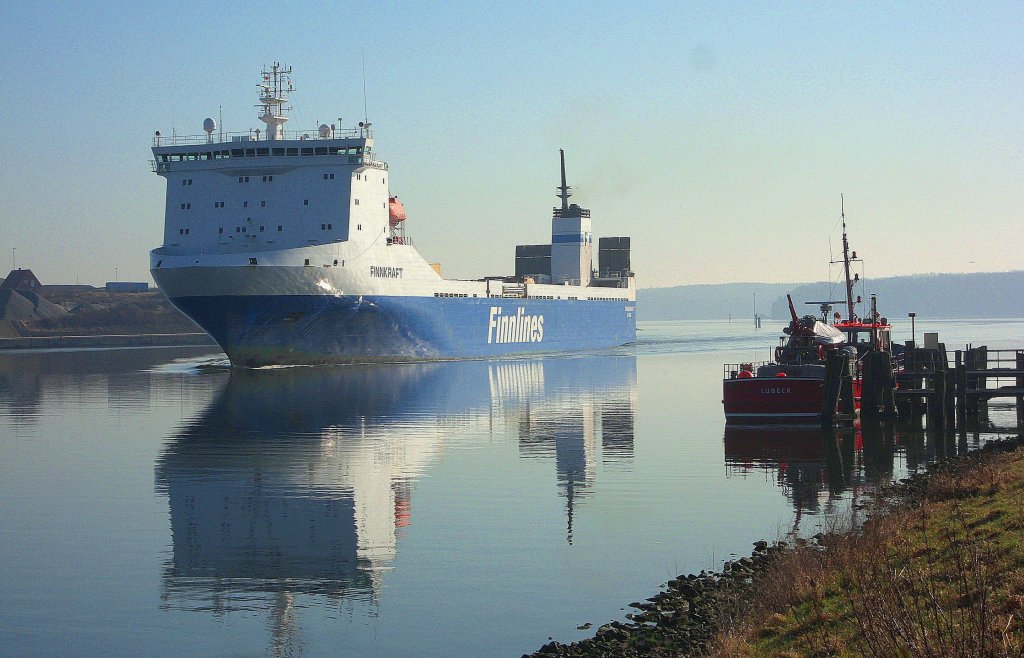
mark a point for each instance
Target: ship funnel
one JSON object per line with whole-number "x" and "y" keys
{"x": 564, "y": 191}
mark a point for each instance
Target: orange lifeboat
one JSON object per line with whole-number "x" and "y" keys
{"x": 396, "y": 212}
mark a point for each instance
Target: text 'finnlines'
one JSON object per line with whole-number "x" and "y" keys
{"x": 518, "y": 328}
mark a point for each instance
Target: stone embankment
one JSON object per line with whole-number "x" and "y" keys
{"x": 695, "y": 612}
{"x": 682, "y": 620}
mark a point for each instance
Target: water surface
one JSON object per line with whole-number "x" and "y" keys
{"x": 153, "y": 501}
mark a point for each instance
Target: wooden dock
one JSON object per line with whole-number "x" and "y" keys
{"x": 953, "y": 390}
{"x": 949, "y": 389}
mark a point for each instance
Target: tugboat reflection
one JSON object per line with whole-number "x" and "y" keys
{"x": 300, "y": 480}
{"x": 815, "y": 467}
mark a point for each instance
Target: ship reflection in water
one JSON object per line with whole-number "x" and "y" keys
{"x": 300, "y": 481}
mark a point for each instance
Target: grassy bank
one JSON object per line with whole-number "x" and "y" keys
{"x": 937, "y": 570}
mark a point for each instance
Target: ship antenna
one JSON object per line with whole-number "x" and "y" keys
{"x": 846, "y": 261}
{"x": 564, "y": 191}
{"x": 366, "y": 118}
{"x": 274, "y": 90}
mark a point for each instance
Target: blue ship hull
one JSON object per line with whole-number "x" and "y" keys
{"x": 312, "y": 329}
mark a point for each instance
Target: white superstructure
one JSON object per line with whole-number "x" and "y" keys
{"x": 282, "y": 244}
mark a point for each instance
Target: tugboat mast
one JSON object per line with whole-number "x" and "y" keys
{"x": 846, "y": 262}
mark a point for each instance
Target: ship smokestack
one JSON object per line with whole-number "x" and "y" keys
{"x": 564, "y": 191}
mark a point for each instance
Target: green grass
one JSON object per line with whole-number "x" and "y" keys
{"x": 943, "y": 576}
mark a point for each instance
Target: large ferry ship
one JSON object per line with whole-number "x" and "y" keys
{"x": 289, "y": 248}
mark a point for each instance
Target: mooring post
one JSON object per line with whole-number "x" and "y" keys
{"x": 971, "y": 382}
{"x": 869, "y": 393}
{"x": 982, "y": 382}
{"x": 1020, "y": 388}
{"x": 936, "y": 405}
{"x": 958, "y": 385}
{"x": 888, "y": 385}
{"x": 835, "y": 366}
{"x": 847, "y": 404}
{"x": 949, "y": 394}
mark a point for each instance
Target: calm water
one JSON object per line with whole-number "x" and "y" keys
{"x": 154, "y": 502}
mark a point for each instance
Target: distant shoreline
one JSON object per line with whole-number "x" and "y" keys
{"x": 107, "y": 340}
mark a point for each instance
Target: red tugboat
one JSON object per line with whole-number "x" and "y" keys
{"x": 791, "y": 388}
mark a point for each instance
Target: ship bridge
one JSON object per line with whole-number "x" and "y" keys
{"x": 270, "y": 189}
{"x": 243, "y": 150}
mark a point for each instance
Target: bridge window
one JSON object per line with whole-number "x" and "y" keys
{"x": 278, "y": 151}
{"x": 293, "y": 151}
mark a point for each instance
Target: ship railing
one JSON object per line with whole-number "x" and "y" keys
{"x": 361, "y": 160}
{"x": 513, "y": 291}
{"x": 570, "y": 212}
{"x": 732, "y": 370}
{"x": 256, "y": 136}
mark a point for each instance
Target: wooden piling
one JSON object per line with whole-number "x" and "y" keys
{"x": 1020, "y": 387}
{"x": 888, "y": 383}
{"x": 877, "y": 398}
{"x": 870, "y": 395}
{"x": 936, "y": 400}
{"x": 971, "y": 383}
{"x": 960, "y": 387}
{"x": 836, "y": 364}
{"x": 949, "y": 395}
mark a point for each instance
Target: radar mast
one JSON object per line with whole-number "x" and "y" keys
{"x": 274, "y": 90}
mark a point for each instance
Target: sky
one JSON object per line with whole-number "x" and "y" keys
{"x": 719, "y": 136}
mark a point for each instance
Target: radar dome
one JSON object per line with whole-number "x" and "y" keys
{"x": 325, "y": 131}
{"x": 209, "y": 125}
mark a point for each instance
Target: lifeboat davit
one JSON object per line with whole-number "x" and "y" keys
{"x": 396, "y": 212}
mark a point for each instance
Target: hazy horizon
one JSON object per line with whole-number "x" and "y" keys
{"x": 719, "y": 138}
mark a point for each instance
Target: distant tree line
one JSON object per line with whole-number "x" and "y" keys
{"x": 974, "y": 295}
